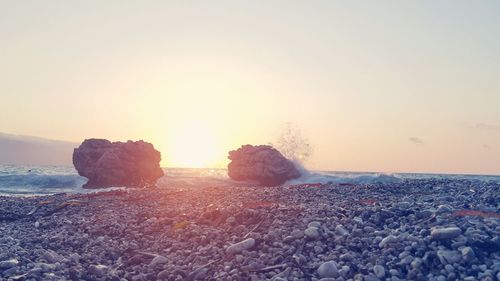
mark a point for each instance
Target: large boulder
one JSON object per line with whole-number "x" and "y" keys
{"x": 107, "y": 164}
{"x": 261, "y": 163}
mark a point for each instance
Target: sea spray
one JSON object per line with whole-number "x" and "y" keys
{"x": 294, "y": 146}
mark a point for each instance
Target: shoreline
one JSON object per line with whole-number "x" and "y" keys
{"x": 352, "y": 232}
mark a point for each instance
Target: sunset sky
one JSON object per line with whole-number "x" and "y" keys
{"x": 391, "y": 86}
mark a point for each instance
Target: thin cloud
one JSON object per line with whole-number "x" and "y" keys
{"x": 416, "y": 140}
{"x": 489, "y": 127}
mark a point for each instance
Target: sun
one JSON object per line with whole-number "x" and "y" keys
{"x": 193, "y": 146}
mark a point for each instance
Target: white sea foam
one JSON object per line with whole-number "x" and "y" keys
{"x": 39, "y": 180}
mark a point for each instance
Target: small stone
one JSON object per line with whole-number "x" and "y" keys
{"x": 447, "y": 257}
{"x": 379, "y": 271}
{"x": 241, "y": 246}
{"x": 163, "y": 275}
{"x": 371, "y": 278}
{"x": 346, "y": 257}
{"x": 444, "y": 209}
{"x": 328, "y": 269}
{"x": 312, "y": 233}
{"x": 445, "y": 233}
{"x": 239, "y": 258}
{"x": 37, "y": 224}
{"x": 416, "y": 263}
{"x": 468, "y": 254}
{"x": 344, "y": 270}
{"x": 297, "y": 234}
{"x": 340, "y": 230}
{"x": 314, "y": 224}
{"x": 8, "y": 263}
{"x": 158, "y": 260}
{"x": 387, "y": 240}
{"x": 51, "y": 256}
{"x": 98, "y": 270}
{"x": 404, "y": 205}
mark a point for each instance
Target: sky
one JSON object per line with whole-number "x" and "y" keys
{"x": 389, "y": 86}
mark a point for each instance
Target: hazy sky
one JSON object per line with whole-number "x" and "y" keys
{"x": 373, "y": 85}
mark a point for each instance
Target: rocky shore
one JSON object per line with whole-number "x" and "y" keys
{"x": 414, "y": 230}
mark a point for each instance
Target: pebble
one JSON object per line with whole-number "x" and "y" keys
{"x": 314, "y": 224}
{"x": 369, "y": 242}
{"x": 158, "y": 260}
{"x": 239, "y": 247}
{"x": 468, "y": 254}
{"x": 340, "y": 230}
{"x": 446, "y": 256}
{"x": 328, "y": 269}
{"x": 387, "y": 240}
{"x": 312, "y": 233}
{"x": 346, "y": 257}
{"x": 379, "y": 271}
{"x": 163, "y": 275}
{"x": 8, "y": 263}
{"x": 445, "y": 233}
{"x": 98, "y": 270}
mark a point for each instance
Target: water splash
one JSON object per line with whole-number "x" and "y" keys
{"x": 293, "y": 145}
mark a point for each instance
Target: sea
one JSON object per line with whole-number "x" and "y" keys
{"x": 30, "y": 180}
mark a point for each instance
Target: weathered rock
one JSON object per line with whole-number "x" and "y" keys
{"x": 261, "y": 163}
{"x": 445, "y": 233}
{"x": 241, "y": 246}
{"x": 107, "y": 164}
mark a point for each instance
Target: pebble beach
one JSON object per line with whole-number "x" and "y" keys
{"x": 426, "y": 229}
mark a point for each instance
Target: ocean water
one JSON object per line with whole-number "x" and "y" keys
{"x": 43, "y": 180}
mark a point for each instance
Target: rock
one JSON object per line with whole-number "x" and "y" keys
{"x": 241, "y": 246}
{"x": 468, "y": 254}
{"x": 312, "y": 233}
{"x": 328, "y": 269}
{"x": 379, "y": 271}
{"x": 445, "y": 233}
{"x": 98, "y": 270}
{"x": 158, "y": 260}
{"x": 8, "y": 263}
{"x": 448, "y": 257}
{"x": 261, "y": 163}
{"x": 107, "y": 164}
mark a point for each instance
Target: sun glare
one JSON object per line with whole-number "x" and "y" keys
{"x": 194, "y": 146}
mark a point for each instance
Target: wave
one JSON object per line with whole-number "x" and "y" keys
{"x": 42, "y": 181}
{"x": 343, "y": 178}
